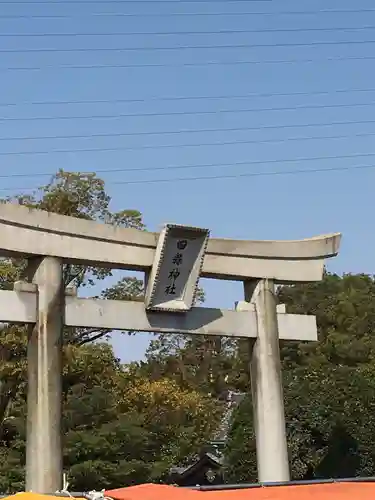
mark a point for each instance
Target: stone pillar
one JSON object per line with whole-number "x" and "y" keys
{"x": 266, "y": 385}
{"x": 44, "y": 357}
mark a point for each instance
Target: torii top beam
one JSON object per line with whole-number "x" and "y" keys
{"x": 28, "y": 233}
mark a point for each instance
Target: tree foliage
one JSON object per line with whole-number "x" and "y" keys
{"x": 329, "y": 386}
{"x": 79, "y": 195}
{"x": 118, "y": 428}
{"x": 177, "y": 416}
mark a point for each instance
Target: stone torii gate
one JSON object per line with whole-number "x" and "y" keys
{"x": 172, "y": 262}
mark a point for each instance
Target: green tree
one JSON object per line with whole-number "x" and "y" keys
{"x": 199, "y": 362}
{"x": 181, "y": 420}
{"x": 345, "y": 310}
{"x": 79, "y": 195}
{"x": 118, "y": 429}
{"x": 103, "y": 446}
{"x": 328, "y": 385}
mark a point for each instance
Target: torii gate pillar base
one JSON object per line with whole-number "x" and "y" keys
{"x": 43, "y": 443}
{"x": 266, "y": 385}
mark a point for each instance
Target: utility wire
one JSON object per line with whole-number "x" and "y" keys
{"x": 207, "y": 165}
{"x": 221, "y": 177}
{"x": 202, "y": 166}
{"x": 186, "y": 47}
{"x": 189, "y": 113}
{"x": 253, "y": 174}
{"x": 189, "y": 33}
{"x": 182, "y": 14}
{"x": 125, "y": 2}
{"x": 194, "y": 145}
{"x": 188, "y": 64}
{"x": 191, "y": 145}
{"x": 174, "y": 132}
{"x": 188, "y": 98}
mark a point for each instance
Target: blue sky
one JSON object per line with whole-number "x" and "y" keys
{"x": 253, "y": 207}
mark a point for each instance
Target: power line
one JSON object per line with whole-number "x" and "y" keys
{"x": 252, "y": 174}
{"x": 188, "y": 113}
{"x": 187, "y": 64}
{"x": 124, "y": 2}
{"x": 176, "y": 132}
{"x": 186, "y": 98}
{"x": 207, "y": 165}
{"x": 183, "y": 14}
{"x": 204, "y": 144}
{"x": 188, "y": 47}
{"x": 222, "y": 177}
{"x": 189, "y": 33}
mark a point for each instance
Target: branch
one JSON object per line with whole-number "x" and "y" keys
{"x": 92, "y": 339}
{"x": 8, "y": 391}
{"x": 69, "y": 277}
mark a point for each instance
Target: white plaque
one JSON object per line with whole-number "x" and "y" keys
{"x": 173, "y": 282}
